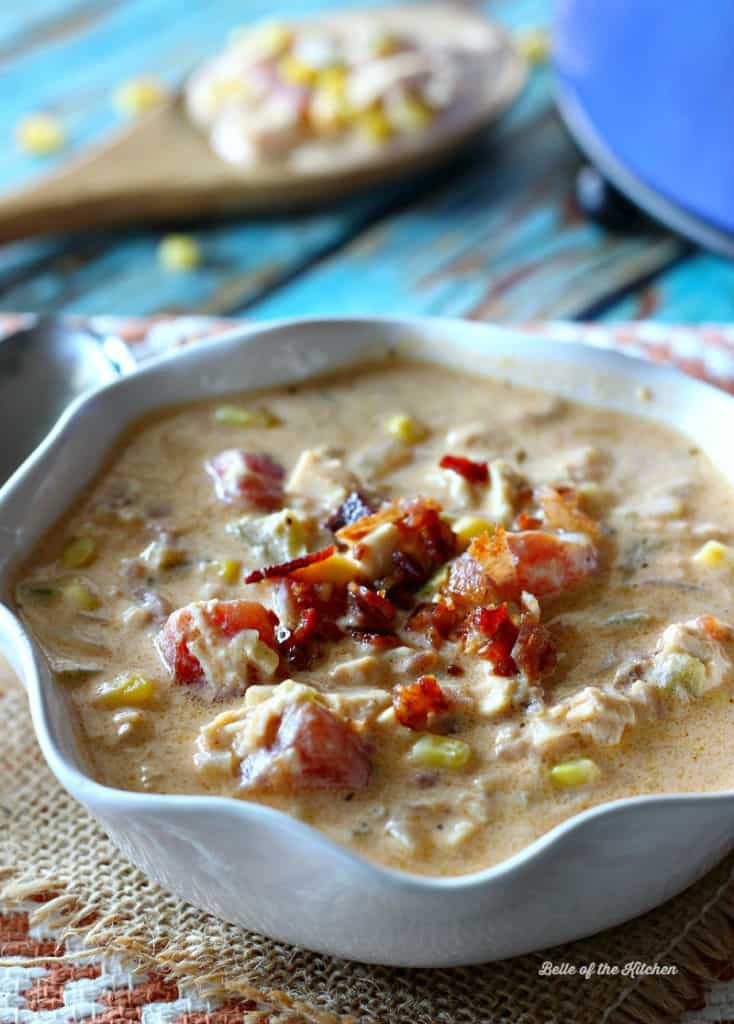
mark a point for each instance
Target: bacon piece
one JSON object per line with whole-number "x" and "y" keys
{"x": 249, "y": 478}
{"x": 417, "y": 703}
{"x": 492, "y": 635}
{"x": 435, "y": 619}
{"x": 424, "y": 543}
{"x": 328, "y": 754}
{"x": 368, "y": 611}
{"x": 473, "y": 472}
{"x": 288, "y": 568}
{"x": 534, "y": 652}
{"x": 316, "y": 609}
{"x": 218, "y": 620}
{"x": 524, "y": 521}
{"x": 354, "y": 507}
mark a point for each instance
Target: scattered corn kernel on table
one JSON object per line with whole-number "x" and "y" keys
{"x": 498, "y": 237}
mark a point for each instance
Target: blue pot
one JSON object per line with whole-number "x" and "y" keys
{"x": 647, "y": 89}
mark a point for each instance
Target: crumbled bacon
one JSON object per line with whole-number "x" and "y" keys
{"x": 416, "y": 704}
{"x": 524, "y": 521}
{"x": 492, "y": 635}
{"x": 354, "y": 507}
{"x": 424, "y": 543}
{"x": 534, "y": 652}
{"x": 288, "y": 568}
{"x": 368, "y": 611}
{"x": 435, "y": 619}
{"x": 250, "y": 478}
{"x": 330, "y": 754}
{"x": 473, "y": 472}
{"x": 316, "y": 607}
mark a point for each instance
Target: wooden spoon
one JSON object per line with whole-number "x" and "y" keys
{"x": 161, "y": 167}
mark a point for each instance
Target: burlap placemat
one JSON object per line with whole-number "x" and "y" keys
{"x": 52, "y": 849}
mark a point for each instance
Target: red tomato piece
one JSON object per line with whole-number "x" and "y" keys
{"x": 249, "y": 478}
{"x": 329, "y": 752}
{"x": 473, "y": 472}
{"x": 211, "y": 622}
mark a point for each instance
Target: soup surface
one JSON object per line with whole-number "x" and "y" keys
{"x": 432, "y": 615}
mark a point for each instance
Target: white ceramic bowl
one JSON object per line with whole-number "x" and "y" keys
{"x": 262, "y": 869}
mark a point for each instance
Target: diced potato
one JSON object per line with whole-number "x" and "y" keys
{"x": 139, "y": 95}
{"x": 339, "y": 569}
{"x": 715, "y": 555}
{"x": 131, "y": 725}
{"x": 79, "y": 596}
{"x": 228, "y": 569}
{"x": 240, "y": 416}
{"x": 277, "y": 537}
{"x": 78, "y": 552}
{"x": 681, "y": 674}
{"x": 440, "y": 752}
{"x": 467, "y": 528}
{"x": 40, "y": 134}
{"x": 577, "y": 772}
{"x": 126, "y": 691}
{"x": 179, "y": 253}
{"x": 407, "y": 429}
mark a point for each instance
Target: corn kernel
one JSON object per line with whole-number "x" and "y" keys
{"x": 78, "y": 552}
{"x": 333, "y": 80}
{"x": 339, "y": 569}
{"x": 577, "y": 772}
{"x": 534, "y": 45}
{"x": 80, "y": 596}
{"x": 467, "y": 528}
{"x": 228, "y": 569}
{"x": 40, "y": 134}
{"x": 295, "y": 72}
{"x": 179, "y": 253}
{"x": 374, "y": 125}
{"x": 715, "y": 555}
{"x": 138, "y": 96}
{"x": 328, "y": 112}
{"x": 239, "y": 416}
{"x": 440, "y": 752}
{"x": 407, "y": 429}
{"x": 409, "y": 114}
{"x": 127, "y": 691}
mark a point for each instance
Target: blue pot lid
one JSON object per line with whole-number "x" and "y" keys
{"x": 647, "y": 86}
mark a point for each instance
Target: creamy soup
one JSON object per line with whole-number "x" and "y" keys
{"x": 430, "y": 614}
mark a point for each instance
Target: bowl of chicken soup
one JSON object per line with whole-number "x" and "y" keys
{"x": 406, "y": 641}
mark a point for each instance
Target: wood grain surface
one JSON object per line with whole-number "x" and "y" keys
{"x": 498, "y": 236}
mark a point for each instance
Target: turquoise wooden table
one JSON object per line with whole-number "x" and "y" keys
{"x": 498, "y": 237}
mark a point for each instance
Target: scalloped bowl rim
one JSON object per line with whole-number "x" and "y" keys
{"x": 31, "y": 661}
